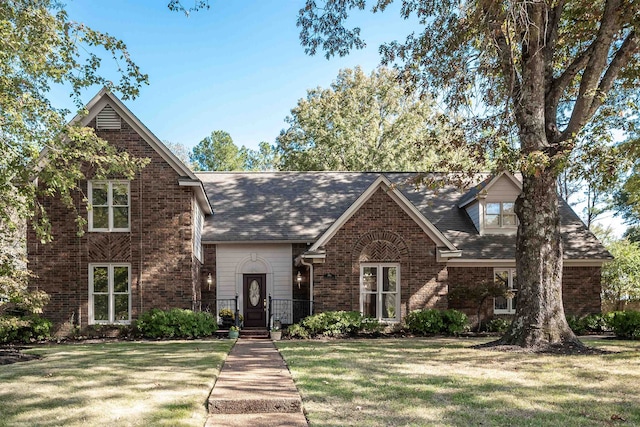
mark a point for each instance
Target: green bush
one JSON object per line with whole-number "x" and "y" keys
{"x": 24, "y": 329}
{"x": 176, "y": 323}
{"x": 498, "y": 325}
{"x": 431, "y": 321}
{"x": 577, "y": 324}
{"x": 454, "y": 321}
{"x": 333, "y": 324}
{"x": 598, "y": 322}
{"x": 626, "y": 324}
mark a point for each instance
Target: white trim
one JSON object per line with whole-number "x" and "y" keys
{"x": 110, "y": 293}
{"x": 510, "y": 263}
{"x": 103, "y": 98}
{"x": 379, "y": 289}
{"x": 110, "y": 228}
{"x": 511, "y": 273}
{"x": 252, "y": 242}
{"x": 400, "y": 199}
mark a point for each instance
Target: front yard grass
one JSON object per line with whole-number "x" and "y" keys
{"x": 118, "y": 383}
{"x": 444, "y": 382}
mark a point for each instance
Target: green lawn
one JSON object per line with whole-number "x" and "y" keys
{"x": 444, "y": 382}
{"x": 119, "y": 384}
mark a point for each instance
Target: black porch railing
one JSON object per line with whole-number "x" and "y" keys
{"x": 289, "y": 311}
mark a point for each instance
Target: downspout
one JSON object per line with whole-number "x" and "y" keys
{"x": 310, "y": 265}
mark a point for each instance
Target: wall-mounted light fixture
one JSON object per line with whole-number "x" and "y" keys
{"x": 209, "y": 281}
{"x": 299, "y": 279}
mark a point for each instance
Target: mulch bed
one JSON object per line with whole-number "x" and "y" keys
{"x": 564, "y": 349}
{"x": 13, "y": 355}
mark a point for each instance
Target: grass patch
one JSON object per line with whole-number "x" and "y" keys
{"x": 120, "y": 383}
{"x": 443, "y": 382}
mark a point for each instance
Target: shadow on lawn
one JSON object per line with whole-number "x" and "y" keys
{"x": 429, "y": 382}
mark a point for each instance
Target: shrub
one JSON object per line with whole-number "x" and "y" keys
{"x": 176, "y": 323}
{"x": 626, "y": 324}
{"x": 333, "y": 324}
{"x": 24, "y": 329}
{"x": 424, "y": 322}
{"x": 454, "y": 321}
{"x": 598, "y": 322}
{"x": 576, "y": 324}
{"x": 431, "y": 321}
{"x": 498, "y": 325}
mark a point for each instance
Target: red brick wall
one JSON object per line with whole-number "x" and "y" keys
{"x": 580, "y": 290}
{"x": 423, "y": 280}
{"x": 159, "y": 246}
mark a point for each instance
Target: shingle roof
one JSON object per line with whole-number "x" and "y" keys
{"x": 300, "y": 206}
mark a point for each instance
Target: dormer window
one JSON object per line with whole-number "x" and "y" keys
{"x": 500, "y": 215}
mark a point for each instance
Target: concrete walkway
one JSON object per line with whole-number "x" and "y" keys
{"x": 255, "y": 389}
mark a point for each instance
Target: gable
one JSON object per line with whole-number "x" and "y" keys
{"x": 109, "y": 113}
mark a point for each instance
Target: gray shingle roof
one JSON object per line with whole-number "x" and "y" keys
{"x": 300, "y": 206}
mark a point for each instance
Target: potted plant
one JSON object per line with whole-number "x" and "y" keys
{"x": 234, "y": 332}
{"x": 227, "y": 317}
{"x": 276, "y": 332}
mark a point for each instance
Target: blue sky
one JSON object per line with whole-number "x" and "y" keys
{"x": 238, "y": 67}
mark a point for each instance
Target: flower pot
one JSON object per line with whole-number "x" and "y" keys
{"x": 234, "y": 334}
{"x": 276, "y": 335}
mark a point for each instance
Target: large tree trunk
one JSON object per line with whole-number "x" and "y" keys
{"x": 539, "y": 320}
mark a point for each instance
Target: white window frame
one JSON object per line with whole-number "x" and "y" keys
{"x": 501, "y": 216}
{"x": 198, "y": 223}
{"x": 110, "y": 292}
{"x": 379, "y": 290}
{"x": 109, "y": 205}
{"x": 511, "y": 286}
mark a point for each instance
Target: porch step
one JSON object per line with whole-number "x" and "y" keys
{"x": 254, "y": 333}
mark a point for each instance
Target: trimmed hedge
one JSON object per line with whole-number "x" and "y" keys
{"x": 594, "y": 323}
{"x": 432, "y": 322}
{"x": 626, "y": 324}
{"x": 333, "y": 324}
{"x": 176, "y": 323}
{"x": 24, "y": 329}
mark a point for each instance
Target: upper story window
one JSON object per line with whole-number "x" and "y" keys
{"x": 500, "y": 215}
{"x": 110, "y": 203}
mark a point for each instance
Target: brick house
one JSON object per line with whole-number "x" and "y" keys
{"x": 305, "y": 241}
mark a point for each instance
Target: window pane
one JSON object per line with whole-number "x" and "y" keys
{"x": 508, "y": 220}
{"x": 100, "y": 217}
{"x": 508, "y": 208}
{"x": 492, "y": 220}
{"x": 500, "y": 303}
{"x": 121, "y": 309}
{"x": 370, "y": 279}
{"x": 99, "y": 194}
{"x": 120, "y": 217}
{"x": 120, "y": 195}
{"x": 100, "y": 279}
{"x": 101, "y": 307}
{"x": 369, "y": 305}
{"x": 501, "y": 278}
{"x": 121, "y": 279}
{"x": 493, "y": 208}
{"x": 389, "y": 283}
{"x": 389, "y": 306}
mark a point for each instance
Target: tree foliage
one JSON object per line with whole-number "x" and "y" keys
{"x": 621, "y": 277}
{"x": 265, "y": 158}
{"x": 539, "y": 73}
{"x": 217, "y": 152}
{"x": 367, "y": 123}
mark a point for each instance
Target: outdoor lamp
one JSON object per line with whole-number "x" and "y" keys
{"x": 299, "y": 279}
{"x": 209, "y": 281}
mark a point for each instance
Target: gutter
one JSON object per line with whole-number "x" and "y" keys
{"x": 310, "y": 265}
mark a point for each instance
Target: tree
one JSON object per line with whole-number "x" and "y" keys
{"x": 265, "y": 158}
{"x": 217, "y": 152}
{"x": 180, "y": 151}
{"x": 41, "y": 47}
{"x": 545, "y": 70}
{"x": 366, "y": 123}
{"x": 621, "y": 277}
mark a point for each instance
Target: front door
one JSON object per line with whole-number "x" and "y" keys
{"x": 255, "y": 292}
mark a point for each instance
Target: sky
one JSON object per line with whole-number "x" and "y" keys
{"x": 237, "y": 67}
